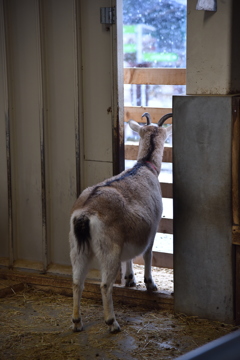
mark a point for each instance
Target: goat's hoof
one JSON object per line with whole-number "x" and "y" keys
{"x": 77, "y": 325}
{"x": 114, "y": 328}
{"x": 150, "y": 285}
{"x": 130, "y": 280}
{"x": 77, "y": 329}
{"x": 130, "y": 283}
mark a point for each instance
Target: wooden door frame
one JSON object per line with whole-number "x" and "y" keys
{"x": 235, "y": 200}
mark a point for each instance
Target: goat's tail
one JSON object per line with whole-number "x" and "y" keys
{"x": 81, "y": 226}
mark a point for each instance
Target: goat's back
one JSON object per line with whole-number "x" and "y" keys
{"x": 127, "y": 207}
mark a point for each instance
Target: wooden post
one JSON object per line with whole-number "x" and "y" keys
{"x": 235, "y": 200}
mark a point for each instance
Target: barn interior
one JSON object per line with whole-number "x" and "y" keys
{"x": 62, "y": 125}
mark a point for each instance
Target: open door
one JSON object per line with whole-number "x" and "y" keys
{"x": 102, "y": 90}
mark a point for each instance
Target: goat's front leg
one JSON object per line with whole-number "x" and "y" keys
{"x": 130, "y": 280}
{"x": 150, "y": 285}
{"x": 109, "y": 274}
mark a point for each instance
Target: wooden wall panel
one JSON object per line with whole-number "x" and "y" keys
{"x": 61, "y": 117}
{"x": 59, "y": 109}
{"x": 24, "y": 81}
{"x": 3, "y": 150}
{"x": 236, "y": 200}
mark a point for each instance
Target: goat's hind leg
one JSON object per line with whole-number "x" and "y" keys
{"x": 130, "y": 280}
{"x": 147, "y": 256}
{"x": 109, "y": 269}
{"x": 80, "y": 266}
{"x": 76, "y": 317}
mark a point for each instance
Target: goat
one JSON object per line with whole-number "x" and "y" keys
{"x": 116, "y": 220}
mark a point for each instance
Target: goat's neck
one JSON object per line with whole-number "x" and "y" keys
{"x": 152, "y": 167}
{"x": 154, "y": 161}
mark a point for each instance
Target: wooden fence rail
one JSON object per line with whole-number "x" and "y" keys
{"x": 135, "y": 113}
{"x": 154, "y": 76}
{"x": 131, "y": 152}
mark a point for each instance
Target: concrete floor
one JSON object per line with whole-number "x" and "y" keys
{"x": 35, "y": 324}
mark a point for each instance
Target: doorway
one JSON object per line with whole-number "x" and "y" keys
{"x": 154, "y": 47}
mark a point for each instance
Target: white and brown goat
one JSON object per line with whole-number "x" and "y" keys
{"x": 116, "y": 220}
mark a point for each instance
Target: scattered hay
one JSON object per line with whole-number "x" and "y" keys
{"x": 163, "y": 278}
{"x": 35, "y": 324}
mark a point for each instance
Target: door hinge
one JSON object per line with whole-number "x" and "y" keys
{"x": 107, "y": 15}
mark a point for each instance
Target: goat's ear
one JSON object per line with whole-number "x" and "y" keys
{"x": 169, "y": 130}
{"x": 134, "y": 126}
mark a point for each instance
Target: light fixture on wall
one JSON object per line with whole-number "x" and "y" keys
{"x": 208, "y": 5}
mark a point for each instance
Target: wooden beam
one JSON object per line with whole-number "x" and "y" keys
{"x": 155, "y": 76}
{"x": 236, "y": 235}
{"x": 167, "y": 190}
{"x": 135, "y": 113}
{"x": 63, "y": 285}
{"x": 131, "y": 152}
{"x": 167, "y": 154}
{"x": 10, "y": 289}
{"x": 166, "y": 226}
{"x": 4, "y": 262}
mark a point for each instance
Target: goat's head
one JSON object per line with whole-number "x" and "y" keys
{"x": 152, "y": 136}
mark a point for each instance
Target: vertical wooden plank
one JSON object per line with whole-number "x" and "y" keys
{"x": 5, "y": 191}
{"x": 235, "y": 199}
{"x": 237, "y": 282}
{"x": 78, "y": 120}
{"x": 25, "y": 109}
{"x": 43, "y": 117}
{"x": 61, "y": 117}
{"x": 235, "y": 160}
{"x": 117, "y": 90}
{"x": 117, "y": 97}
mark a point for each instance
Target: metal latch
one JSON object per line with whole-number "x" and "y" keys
{"x": 107, "y": 15}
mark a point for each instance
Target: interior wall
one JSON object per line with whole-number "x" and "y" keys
{"x": 213, "y": 51}
{"x": 61, "y": 119}
{"x": 58, "y": 114}
{"x": 4, "y": 209}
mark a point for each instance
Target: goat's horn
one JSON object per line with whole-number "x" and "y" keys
{"x": 164, "y": 118}
{"x": 148, "y": 117}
